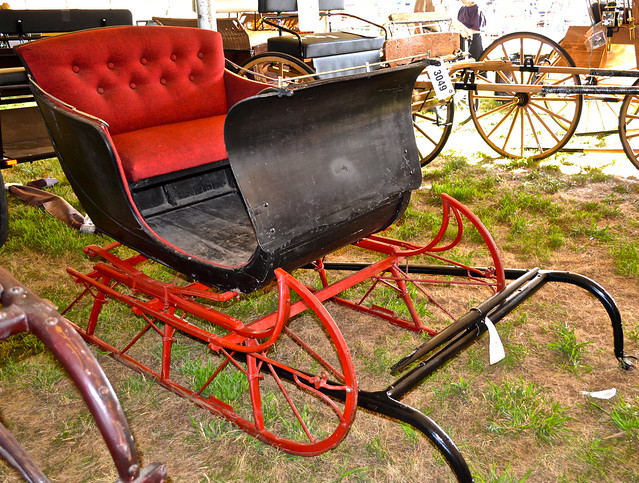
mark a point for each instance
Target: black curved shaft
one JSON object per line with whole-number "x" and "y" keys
{"x": 381, "y": 402}
{"x": 602, "y": 295}
{"x": 599, "y": 293}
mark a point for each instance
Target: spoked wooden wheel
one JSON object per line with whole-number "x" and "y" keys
{"x": 432, "y": 121}
{"x": 600, "y": 116}
{"x": 269, "y": 67}
{"x": 525, "y": 124}
{"x": 629, "y": 127}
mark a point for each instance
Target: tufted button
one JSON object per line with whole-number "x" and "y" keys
{"x": 143, "y": 61}
{"x": 191, "y": 77}
{"x": 163, "y": 81}
{"x": 200, "y": 55}
{"x": 100, "y": 90}
{"x": 75, "y": 69}
{"x": 111, "y": 65}
{"x": 132, "y": 85}
{"x": 173, "y": 57}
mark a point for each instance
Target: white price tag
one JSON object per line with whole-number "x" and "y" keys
{"x": 440, "y": 79}
{"x": 495, "y": 348}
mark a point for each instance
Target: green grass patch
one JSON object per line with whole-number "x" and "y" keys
{"x": 626, "y": 258}
{"x": 520, "y": 406}
{"x": 570, "y": 349}
{"x": 625, "y": 416}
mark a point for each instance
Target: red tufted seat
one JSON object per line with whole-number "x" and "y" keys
{"x": 163, "y": 91}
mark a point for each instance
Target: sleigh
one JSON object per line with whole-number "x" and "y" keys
{"x": 235, "y": 185}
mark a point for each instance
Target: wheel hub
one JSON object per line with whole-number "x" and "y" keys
{"x": 522, "y": 98}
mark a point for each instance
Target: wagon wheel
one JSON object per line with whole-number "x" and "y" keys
{"x": 629, "y": 126}
{"x": 268, "y": 67}
{"x": 525, "y": 124}
{"x": 600, "y": 112}
{"x": 432, "y": 122}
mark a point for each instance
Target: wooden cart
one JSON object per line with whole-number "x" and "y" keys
{"x": 527, "y": 93}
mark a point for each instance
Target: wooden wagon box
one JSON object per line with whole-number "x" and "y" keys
{"x": 438, "y": 44}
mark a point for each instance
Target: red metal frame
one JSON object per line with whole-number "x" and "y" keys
{"x": 157, "y": 302}
{"x": 246, "y": 348}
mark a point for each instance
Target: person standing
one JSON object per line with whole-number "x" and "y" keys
{"x": 471, "y": 17}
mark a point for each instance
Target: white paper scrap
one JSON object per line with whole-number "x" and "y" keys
{"x": 605, "y": 394}
{"x": 496, "y": 350}
{"x": 308, "y": 15}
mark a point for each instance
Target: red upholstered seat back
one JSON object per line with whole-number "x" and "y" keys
{"x": 134, "y": 77}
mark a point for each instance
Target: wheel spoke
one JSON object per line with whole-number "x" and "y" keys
{"x": 432, "y": 123}
{"x": 530, "y": 121}
{"x": 629, "y": 127}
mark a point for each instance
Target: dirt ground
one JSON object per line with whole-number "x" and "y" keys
{"x": 50, "y": 420}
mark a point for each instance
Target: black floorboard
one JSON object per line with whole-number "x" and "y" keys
{"x": 217, "y": 229}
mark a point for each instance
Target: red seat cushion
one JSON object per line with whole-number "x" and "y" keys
{"x": 133, "y": 77}
{"x": 157, "y": 150}
{"x": 163, "y": 91}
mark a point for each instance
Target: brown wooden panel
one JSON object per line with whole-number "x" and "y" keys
{"x": 573, "y": 42}
{"x": 436, "y": 43}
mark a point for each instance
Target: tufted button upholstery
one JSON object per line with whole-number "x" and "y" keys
{"x": 141, "y": 53}
{"x": 137, "y": 78}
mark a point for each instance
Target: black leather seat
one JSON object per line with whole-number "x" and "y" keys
{"x": 324, "y": 44}
{"x": 333, "y": 53}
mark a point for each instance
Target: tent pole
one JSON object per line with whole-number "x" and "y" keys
{"x": 206, "y": 14}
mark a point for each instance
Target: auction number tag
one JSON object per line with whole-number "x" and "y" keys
{"x": 440, "y": 79}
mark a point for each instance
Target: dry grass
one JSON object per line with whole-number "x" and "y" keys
{"x": 46, "y": 414}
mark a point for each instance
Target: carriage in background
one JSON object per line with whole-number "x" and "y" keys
{"x": 528, "y": 93}
{"x": 535, "y": 117}
{"x": 263, "y": 42}
{"x": 270, "y": 190}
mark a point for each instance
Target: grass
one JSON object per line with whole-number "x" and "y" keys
{"x": 572, "y": 352}
{"x": 520, "y": 406}
{"x": 505, "y": 476}
{"x": 520, "y": 420}
{"x": 625, "y": 416}
{"x": 626, "y": 258}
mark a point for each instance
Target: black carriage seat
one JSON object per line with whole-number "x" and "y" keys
{"x": 29, "y": 24}
{"x": 329, "y": 50}
{"x": 182, "y": 161}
